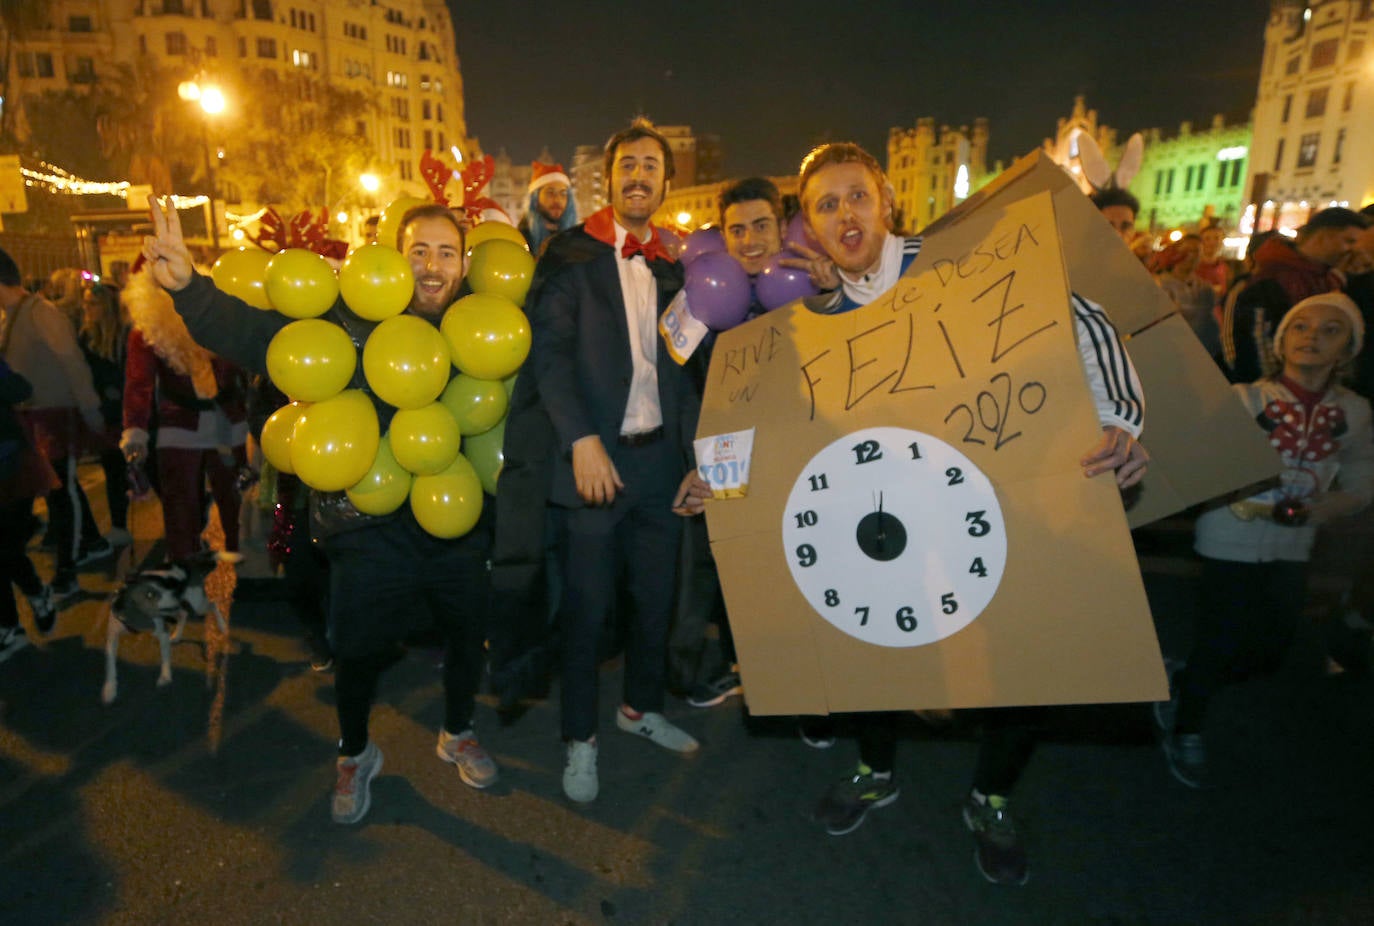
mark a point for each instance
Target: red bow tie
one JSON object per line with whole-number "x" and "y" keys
{"x": 652, "y": 250}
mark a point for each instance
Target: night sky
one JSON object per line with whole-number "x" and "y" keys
{"x": 773, "y": 79}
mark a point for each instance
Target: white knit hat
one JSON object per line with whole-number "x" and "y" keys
{"x": 1336, "y": 300}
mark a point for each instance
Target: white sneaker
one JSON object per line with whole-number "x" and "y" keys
{"x": 579, "y": 775}
{"x": 659, "y": 729}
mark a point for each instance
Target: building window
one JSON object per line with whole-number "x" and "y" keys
{"x": 1355, "y": 53}
{"x": 175, "y": 7}
{"x": 1188, "y": 179}
{"x": 429, "y": 140}
{"x": 1287, "y": 108}
{"x": 1307, "y": 149}
{"x": 1336, "y": 151}
{"x": 426, "y": 109}
{"x": 1169, "y": 181}
{"x": 83, "y": 71}
{"x": 360, "y": 127}
{"x": 439, "y": 111}
{"x": 402, "y": 137}
{"x": 211, "y": 49}
{"x": 1349, "y": 99}
{"x": 1316, "y": 102}
{"x": 78, "y": 24}
{"x": 303, "y": 59}
{"x": 1278, "y": 156}
{"x": 404, "y": 170}
{"x": 1324, "y": 53}
{"x": 262, "y": 9}
{"x": 1292, "y": 66}
{"x": 1159, "y": 181}
{"x": 1237, "y": 168}
{"x": 267, "y": 48}
{"x": 1202, "y": 177}
{"x": 243, "y": 47}
{"x": 176, "y": 43}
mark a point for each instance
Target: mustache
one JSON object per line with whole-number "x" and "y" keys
{"x": 634, "y": 186}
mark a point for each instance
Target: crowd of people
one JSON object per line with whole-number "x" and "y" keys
{"x": 596, "y": 521}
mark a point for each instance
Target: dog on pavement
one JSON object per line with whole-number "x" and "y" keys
{"x": 150, "y": 600}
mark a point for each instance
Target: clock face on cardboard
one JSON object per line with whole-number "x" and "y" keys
{"x": 894, "y": 537}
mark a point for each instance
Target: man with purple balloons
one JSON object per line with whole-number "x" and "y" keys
{"x": 741, "y": 269}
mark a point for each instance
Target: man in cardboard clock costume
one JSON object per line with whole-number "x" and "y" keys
{"x": 848, "y": 206}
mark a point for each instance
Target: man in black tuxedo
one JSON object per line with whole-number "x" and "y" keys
{"x": 615, "y": 417}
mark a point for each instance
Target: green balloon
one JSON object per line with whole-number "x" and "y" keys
{"x": 476, "y": 404}
{"x": 484, "y": 453}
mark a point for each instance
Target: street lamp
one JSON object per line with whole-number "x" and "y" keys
{"x": 212, "y": 103}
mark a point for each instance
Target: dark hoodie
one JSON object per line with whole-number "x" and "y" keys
{"x": 1283, "y": 277}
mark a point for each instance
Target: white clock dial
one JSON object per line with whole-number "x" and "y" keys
{"x": 894, "y": 537}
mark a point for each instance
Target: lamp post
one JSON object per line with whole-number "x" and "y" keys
{"x": 211, "y": 100}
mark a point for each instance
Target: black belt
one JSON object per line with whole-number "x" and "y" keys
{"x": 641, "y": 438}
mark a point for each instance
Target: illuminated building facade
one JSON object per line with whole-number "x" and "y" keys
{"x": 1193, "y": 176}
{"x": 1314, "y": 112}
{"x": 691, "y": 207}
{"x": 399, "y": 52}
{"x": 933, "y": 170}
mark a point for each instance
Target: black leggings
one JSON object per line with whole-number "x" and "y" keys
{"x": 1003, "y": 752}
{"x": 16, "y": 524}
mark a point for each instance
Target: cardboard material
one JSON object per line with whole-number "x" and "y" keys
{"x": 973, "y": 350}
{"x": 1201, "y": 442}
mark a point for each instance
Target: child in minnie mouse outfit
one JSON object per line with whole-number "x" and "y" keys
{"x": 1255, "y": 551}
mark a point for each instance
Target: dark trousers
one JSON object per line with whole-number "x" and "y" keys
{"x": 116, "y": 485}
{"x": 637, "y": 537}
{"x": 15, "y": 567}
{"x": 1005, "y": 748}
{"x": 72, "y": 524}
{"x": 389, "y": 579}
{"x": 1249, "y": 612}
{"x": 182, "y": 473}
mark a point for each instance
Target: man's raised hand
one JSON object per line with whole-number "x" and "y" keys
{"x": 165, "y": 249}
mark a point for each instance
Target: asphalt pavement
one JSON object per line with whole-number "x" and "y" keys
{"x": 207, "y": 801}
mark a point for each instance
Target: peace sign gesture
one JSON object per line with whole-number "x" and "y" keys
{"x": 165, "y": 249}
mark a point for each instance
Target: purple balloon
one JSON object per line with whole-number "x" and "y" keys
{"x": 777, "y": 285}
{"x": 702, "y": 241}
{"x": 798, "y": 233}
{"x": 717, "y": 290}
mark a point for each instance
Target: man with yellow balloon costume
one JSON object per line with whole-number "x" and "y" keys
{"x": 390, "y": 562}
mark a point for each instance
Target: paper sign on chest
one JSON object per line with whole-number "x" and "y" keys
{"x": 917, "y": 531}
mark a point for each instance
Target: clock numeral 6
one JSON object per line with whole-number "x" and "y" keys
{"x": 862, "y": 613}
{"x": 805, "y": 518}
{"x": 977, "y": 568}
{"x": 867, "y": 451}
{"x": 832, "y": 597}
{"x": 977, "y": 526}
{"x": 906, "y": 619}
{"x": 806, "y": 555}
{"x": 948, "y": 604}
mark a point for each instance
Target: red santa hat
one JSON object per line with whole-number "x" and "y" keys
{"x": 543, "y": 174}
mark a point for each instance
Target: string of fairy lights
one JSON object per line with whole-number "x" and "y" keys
{"x": 54, "y": 179}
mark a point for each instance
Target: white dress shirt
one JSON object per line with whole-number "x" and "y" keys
{"x": 637, "y": 286}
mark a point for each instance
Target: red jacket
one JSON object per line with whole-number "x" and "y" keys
{"x": 148, "y": 379}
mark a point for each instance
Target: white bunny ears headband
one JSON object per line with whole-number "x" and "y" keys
{"x": 1095, "y": 169}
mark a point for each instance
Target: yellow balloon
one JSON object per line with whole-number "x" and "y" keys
{"x": 276, "y": 436}
{"x": 242, "y": 272}
{"x": 335, "y": 441}
{"x": 448, "y": 504}
{"x": 484, "y": 452}
{"x": 425, "y": 440}
{"x": 376, "y": 282}
{"x": 488, "y": 336}
{"x": 384, "y": 487}
{"x": 494, "y": 229}
{"x": 476, "y": 404}
{"x": 501, "y": 268}
{"x": 311, "y": 360}
{"x": 389, "y": 225}
{"x": 301, "y": 283}
{"x": 406, "y": 361}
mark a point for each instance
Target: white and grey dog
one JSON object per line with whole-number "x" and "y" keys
{"x": 148, "y": 601}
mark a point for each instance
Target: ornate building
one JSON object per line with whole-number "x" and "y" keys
{"x": 1192, "y": 176}
{"x": 932, "y": 171}
{"x": 1314, "y": 112}
{"x": 272, "y": 58}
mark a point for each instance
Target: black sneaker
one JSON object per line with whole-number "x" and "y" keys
{"x": 709, "y": 694}
{"x": 44, "y": 610}
{"x": 321, "y": 657}
{"x": 1000, "y": 856}
{"x": 94, "y": 552}
{"x": 1186, "y": 754}
{"x": 846, "y": 804}
{"x": 816, "y": 732}
{"x": 12, "y": 640}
